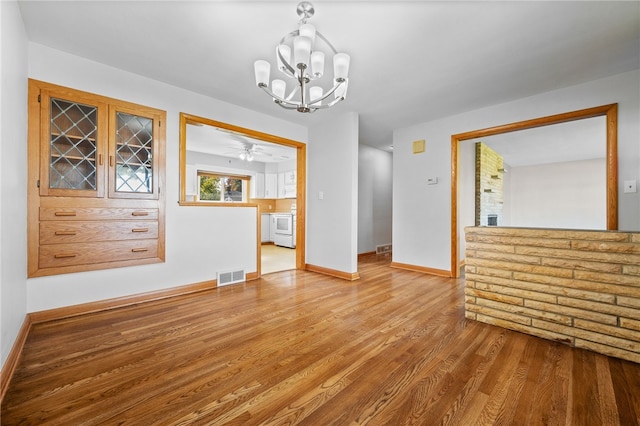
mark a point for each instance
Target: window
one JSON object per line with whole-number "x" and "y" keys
{"x": 223, "y": 188}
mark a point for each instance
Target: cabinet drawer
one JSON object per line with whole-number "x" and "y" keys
{"x": 70, "y": 254}
{"x": 56, "y": 232}
{"x": 97, "y": 213}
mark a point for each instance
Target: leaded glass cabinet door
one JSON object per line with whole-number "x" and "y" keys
{"x": 72, "y": 146}
{"x": 133, "y": 171}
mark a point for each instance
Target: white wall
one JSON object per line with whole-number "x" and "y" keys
{"x": 422, "y": 214}
{"x": 466, "y": 191}
{"x": 13, "y": 174}
{"x": 199, "y": 240}
{"x": 375, "y": 184}
{"x": 558, "y": 195}
{"x": 332, "y": 167}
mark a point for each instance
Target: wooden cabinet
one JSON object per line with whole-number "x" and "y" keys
{"x": 133, "y": 151}
{"x": 96, "y": 173}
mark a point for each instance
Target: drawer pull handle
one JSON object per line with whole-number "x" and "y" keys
{"x": 140, "y": 213}
{"x": 100, "y": 160}
{"x": 65, "y": 232}
{"x": 112, "y": 161}
{"x": 64, "y": 255}
{"x": 140, "y": 230}
{"x": 139, "y": 250}
{"x": 65, "y": 213}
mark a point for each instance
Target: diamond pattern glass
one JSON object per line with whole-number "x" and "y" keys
{"x": 73, "y": 130}
{"x": 134, "y": 153}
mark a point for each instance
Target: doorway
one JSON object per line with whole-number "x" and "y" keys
{"x": 609, "y": 146}
{"x": 272, "y": 168}
{"x": 276, "y": 258}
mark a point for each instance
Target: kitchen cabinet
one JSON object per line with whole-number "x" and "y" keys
{"x": 289, "y": 184}
{"x": 281, "y": 185}
{"x": 265, "y": 231}
{"x": 96, "y": 169}
{"x": 272, "y": 227}
{"x": 290, "y": 177}
{"x": 275, "y": 185}
{"x": 270, "y": 185}
{"x": 258, "y": 187}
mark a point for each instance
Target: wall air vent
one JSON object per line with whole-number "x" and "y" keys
{"x": 231, "y": 277}
{"x": 383, "y": 249}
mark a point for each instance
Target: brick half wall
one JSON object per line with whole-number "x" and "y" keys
{"x": 577, "y": 287}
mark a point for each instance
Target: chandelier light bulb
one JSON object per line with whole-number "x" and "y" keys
{"x": 308, "y": 31}
{"x": 262, "y": 69}
{"x": 301, "y": 51}
{"x": 317, "y": 64}
{"x": 278, "y": 87}
{"x": 315, "y": 93}
{"x": 341, "y": 66}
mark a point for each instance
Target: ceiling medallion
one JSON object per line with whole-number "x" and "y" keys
{"x": 304, "y": 68}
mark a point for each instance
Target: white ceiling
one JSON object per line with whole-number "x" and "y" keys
{"x": 211, "y": 140}
{"x": 411, "y": 62}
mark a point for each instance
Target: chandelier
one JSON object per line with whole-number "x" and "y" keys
{"x": 305, "y": 67}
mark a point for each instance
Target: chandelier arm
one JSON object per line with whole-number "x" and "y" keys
{"x": 329, "y": 105}
{"x": 284, "y": 103}
{"x": 319, "y": 35}
{"x": 329, "y": 93}
{"x": 289, "y": 68}
{"x": 288, "y": 36}
{"x": 285, "y": 106}
{"x": 293, "y": 92}
{"x": 276, "y": 98}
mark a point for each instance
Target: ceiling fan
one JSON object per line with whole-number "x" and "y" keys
{"x": 249, "y": 150}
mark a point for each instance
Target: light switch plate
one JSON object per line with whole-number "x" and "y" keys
{"x": 629, "y": 186}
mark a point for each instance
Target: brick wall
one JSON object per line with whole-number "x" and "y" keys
{"x": 577, "y": 287}
{"x": 489, "y": 184}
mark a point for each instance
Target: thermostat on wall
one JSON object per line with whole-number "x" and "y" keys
{"x": 432, "y": 181}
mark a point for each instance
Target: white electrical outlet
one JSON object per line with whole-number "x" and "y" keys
{"x": 629, "y": 186}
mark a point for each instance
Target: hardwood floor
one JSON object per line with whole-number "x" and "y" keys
{"x": 301, "y": 348}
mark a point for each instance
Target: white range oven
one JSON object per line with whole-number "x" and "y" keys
{"x": 284, "y": 230}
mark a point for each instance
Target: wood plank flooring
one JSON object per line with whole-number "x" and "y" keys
{"x": 298, "y": 348}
